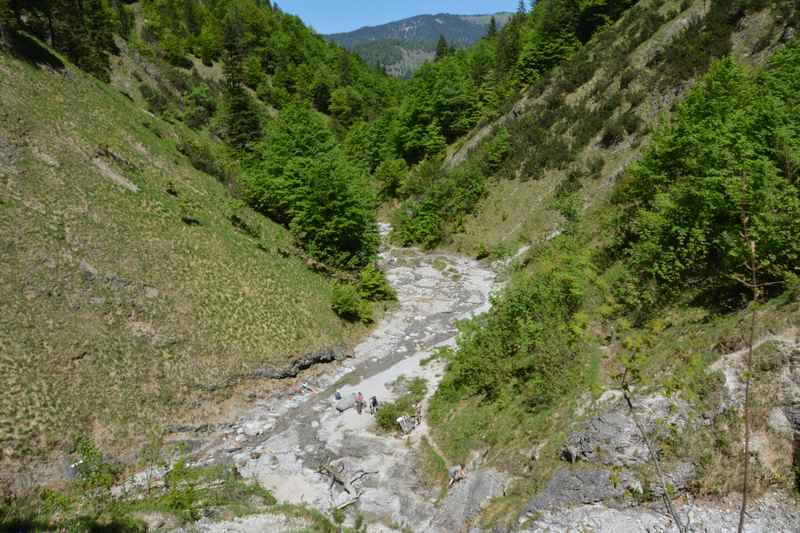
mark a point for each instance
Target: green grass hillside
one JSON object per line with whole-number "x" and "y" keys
{"x": 132, "y": 284}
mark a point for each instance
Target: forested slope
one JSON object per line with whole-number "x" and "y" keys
{"x": 653, "y": 173}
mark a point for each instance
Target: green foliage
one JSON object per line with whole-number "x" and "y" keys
{"x": 438, "y": 200}
{"x": 93, "y": 471}
{"x": 704, "y": 40}
{"x": 390, "y": 174}
{"x": 525, "y": 347}
{"x": 373, "y": 285}
{"x": 708, "y": 172}
{"x": 204, "y": 158}
{"x": 405, "y": 405}
{"x": 300, "y": 177}
{"x": 199, "y": 106}
{"x": 348, "y": 304}
{"x": 83, "y": 35}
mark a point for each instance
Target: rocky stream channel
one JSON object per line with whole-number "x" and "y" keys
{"x": 282, "y": 442}
{"x": 307, "y": 452}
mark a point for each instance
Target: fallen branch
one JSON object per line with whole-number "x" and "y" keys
{"x": 349, "y": 502}
{"x": 363, "y": 474}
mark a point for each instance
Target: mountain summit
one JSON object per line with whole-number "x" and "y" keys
{"x": 402, "y": 46}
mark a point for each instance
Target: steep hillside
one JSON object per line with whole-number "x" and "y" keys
{"x": 134, "y": 286}
{"x": 640, "y": 172}
{"x": 138, "y": 286}
{"x": 401, "y": 47}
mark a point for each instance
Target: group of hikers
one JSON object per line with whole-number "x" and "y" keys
{"x": 360, "y": 403}
{"x": 456, "y": 473}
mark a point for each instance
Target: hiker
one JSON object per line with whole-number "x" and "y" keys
{"x": 456, "y": 474}
{"x": 337, "y": 396}
{"x": 373, "y": 405}
{"x": 359, "y": 402}
{"x": 418, "y": 415}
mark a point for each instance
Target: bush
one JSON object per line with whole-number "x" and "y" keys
{"x": 157, "y": 103}
{"x": 445, "y": 199}
{"x": 94, "y": 472}
{"x": 613, "y": 134}
{"x": 390, "y": 174}
{"x": 300, "y": 177}
{"x": 405, "y": 405}
{"x": 522, "y": 348}
{"x": 374, "y": 287}
{"x": 204, "y": 159}
{"x": 200, "y": 106}
{"x": 348, "y": 304}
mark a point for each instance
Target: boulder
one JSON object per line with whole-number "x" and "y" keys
{"x": 345, "y": 403}
{"x": 467, "y": 498}
{"x": 572, "y": 486}
{"x": 611, "y": 438}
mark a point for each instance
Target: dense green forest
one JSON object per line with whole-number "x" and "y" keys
{"x": 276, "y": 71}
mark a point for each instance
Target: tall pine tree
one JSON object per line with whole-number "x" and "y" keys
{"x": 242, "y": 125}
{"x": 491, "y": 33}
{"x": 442, "y": 48}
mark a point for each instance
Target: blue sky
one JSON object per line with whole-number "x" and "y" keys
{"x": 332, "y": 16}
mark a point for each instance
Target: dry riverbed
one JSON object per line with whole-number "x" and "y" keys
{"x": 283, "y": 441}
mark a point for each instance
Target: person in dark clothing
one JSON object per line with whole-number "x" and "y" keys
{"x": 373, "y": 405}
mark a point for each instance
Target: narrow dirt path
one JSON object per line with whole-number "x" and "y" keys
{"x": 283, "y": 444}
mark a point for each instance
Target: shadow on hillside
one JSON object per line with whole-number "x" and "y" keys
{"x": 89, "y": 526}
{"x": 28, "y": 49}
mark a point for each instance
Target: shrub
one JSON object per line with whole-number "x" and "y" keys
{"x": 523, "y": 347}
{"x": 405, "y": 405}
{"x": 348, "y": 304}
{"x": 390, "y": 174}
{"x": 630, "y": 122}
{"x": 200, "y": 106}
{"x": 94, "y": 472}
{"x": 373, "y": 285}
{"x": 613, "y": 134}
{"x": 203, "y": 158}
{"x": 299, "y": 177}
{"x": 157, "y": 103}
{"x": 596, "y": 164}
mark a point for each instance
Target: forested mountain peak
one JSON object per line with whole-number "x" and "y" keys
{"x": 402, "y": 46}
{"x": 459, "y": 30}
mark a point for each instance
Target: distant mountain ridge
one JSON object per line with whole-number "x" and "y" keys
{"x": 402, "y": 46}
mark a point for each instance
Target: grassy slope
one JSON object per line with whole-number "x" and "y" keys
{"x": 679, "y": 346}
{"x": 84, "y": 352}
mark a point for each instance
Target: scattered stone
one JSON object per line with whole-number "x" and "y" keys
{"x": 156, "y": 521}
{"x": 9, "y": 156}
{"x": 778, "y": 423}
{"x": 151, "y": 292}
{"x": 108, "y": 172}
{"x": 88, "y": 271}
{"x": 469, "y": 497}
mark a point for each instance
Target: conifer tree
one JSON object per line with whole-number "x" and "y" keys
{"x": 242, "y": 125}
{"x": 492, "y": 31}
{"x": 442, "y": 49}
